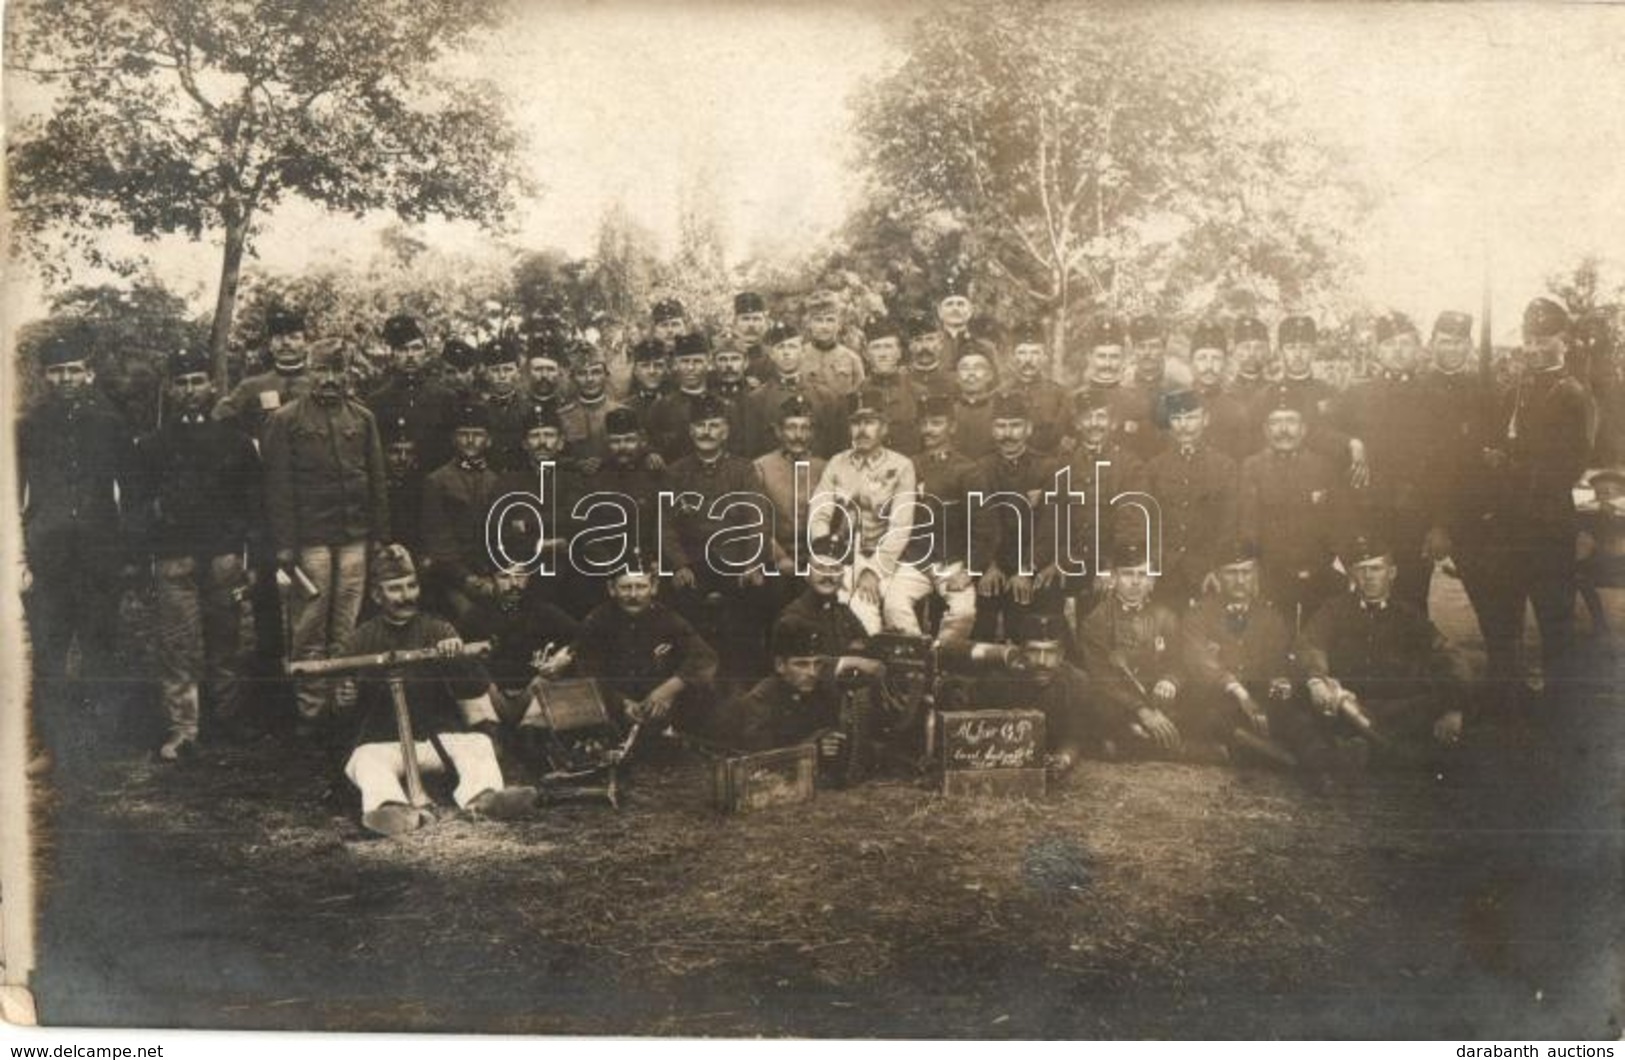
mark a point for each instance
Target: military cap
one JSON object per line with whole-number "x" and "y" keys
{"x": 621, "y": 421}
{"x": 579, "y": 351}
{"x": 798, "y": 640}
{"x": 867, "y": 403}
{"x": 1129, "y": 554}
{"x": 543, "y": 415}
{"x": 831, "y": 547}
{"x": 882, "y": 326}
{"x": 392, "y": 562}
{"x": 1282, "y": 398}
{"x": 935, "y": 403}
{"x": 1028, "y": 333}
{"x": 280, "y": 320}
{"x": 1146, "y": 328}
{"x": 957, "y": 283}
{"x": 395, "y": 431}
{"x": 646, "y": 350}
{"x": 1235, "y": 550}
{"x": 918, "y": 324}
{"x": 1106, "y": 331}
{"x": 691, "y": 344}
{"x": 795, "y": 405}
{"x": 546, "y": 346}
{"x": 1251, "y": 329}
{"x": 65, "y": 347}
{"x": 189, "y": 360}
{"x": 1296, "y": 330}
{"x": 460, "y": 355}
{"x": 749, "y": 302}
{"x": 1209, "y": 336}
{"x": 1544, "y": 318}
{"x": 401, "y": 329}
{"x": 1177, "y": 403}
{"x": 822, "y": 302}
{"x": 325, "y": 352}
{"x": 471, "y": 415}
{"x": 1363, "y": 548}
{"x": 1011, "y": 405}
{"x": 667, "y": 309}
{"x": 504, "y": 349}
{"x": 1040, "y": 629}
{"x": 1393, "y": 324}
{"x": 779, "y": 333}
{"x": 707, "y": 406}
{"x": 1455, "y": 324}
{"x": 1090, "y": 398}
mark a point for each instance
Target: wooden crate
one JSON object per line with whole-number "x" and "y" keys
{"x": 746, "y": 782}
{"x": 991, "y": 752}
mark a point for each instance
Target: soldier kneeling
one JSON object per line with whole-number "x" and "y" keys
{"x": 453, "y": 722}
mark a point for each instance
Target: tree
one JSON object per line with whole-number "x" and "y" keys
{"x": 198, "y": 116}
{"x": 1100, "y": 160}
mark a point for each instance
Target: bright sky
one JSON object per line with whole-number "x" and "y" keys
{"x": 1486, "y": 129}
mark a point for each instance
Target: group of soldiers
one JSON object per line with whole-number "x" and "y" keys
{"x": 1170, "y": 554}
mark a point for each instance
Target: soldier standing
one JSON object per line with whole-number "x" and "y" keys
{"x": 750, "y": 325}
{"x": 784, "y": 349}
{"x": 457, "y": 501}
{"x": 667, "y": 422}
{"x": 1537, "y": 456}
{"x": 1099, "y": 468}
{"x": 1292, "y": 504}
{"x": 196, "y": 499}
{"x": 584, "y": 418}
{"x": 73, "y": 452}
{"x": 830, "y": 361}
{"x": 648, "y": 382}
{"x": 776, "y": 475}
{"x": 935, "y": 561}
{"x": 506, "y": 403}
{"x": 413, "y": 398}
{"x": 1196, "y": 488}
{"x": 954, "y": 312}
{"x": 326, "y": 502}
{"x": 1032, "y": 373}
{"x": 978, "y": 381}
{"x": 1105, "y": 364}
{"x": 1394, "y": 413}
{"x": 668, "y": 322}
{"x": 1250, "y": 352}
{"x": 925, "y": 356}
{"x": 1006, "y": 529}
{"x": 1150, "y": 340}
{"x": 1228, "y": 417}
{"x": 253, "y": 400}
{"x": 890, "y": 381}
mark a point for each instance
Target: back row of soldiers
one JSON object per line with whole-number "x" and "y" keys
{"x": 295, "y": 473}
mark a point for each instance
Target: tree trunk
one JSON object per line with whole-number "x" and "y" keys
{"x": 230, "y": 267}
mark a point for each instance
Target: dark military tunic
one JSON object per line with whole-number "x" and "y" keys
{"x": 421, "y": 407}
{"x": 457, "y": 502}
{"x": 631, "y": 655}
{"x": 1196, "y": 489}
{"x": 761, "y": 416}
{"x": 1229, "y": 424}
{"x": 973, "y": 424}
{"x": 198, "y": 486}
{"x": 943, "y": 479}
{"x": 432, "y": 689}
{"x": 1122, "y": 645}
{"x": 1292, "y": 506}
{"x": 517, "y": 632}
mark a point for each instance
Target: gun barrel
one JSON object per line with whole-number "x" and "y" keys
{"x": 388, "y": 660}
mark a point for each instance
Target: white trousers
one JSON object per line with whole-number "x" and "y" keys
{"x": 378, "y": 770}
{"x": 905, "y": 587}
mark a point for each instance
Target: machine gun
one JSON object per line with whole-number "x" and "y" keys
{"x": 394, "y": 666}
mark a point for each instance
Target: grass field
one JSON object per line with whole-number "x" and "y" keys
{"x": 1135, "y": 900}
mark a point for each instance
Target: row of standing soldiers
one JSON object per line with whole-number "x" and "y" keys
{"x": 283, "y": 489}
